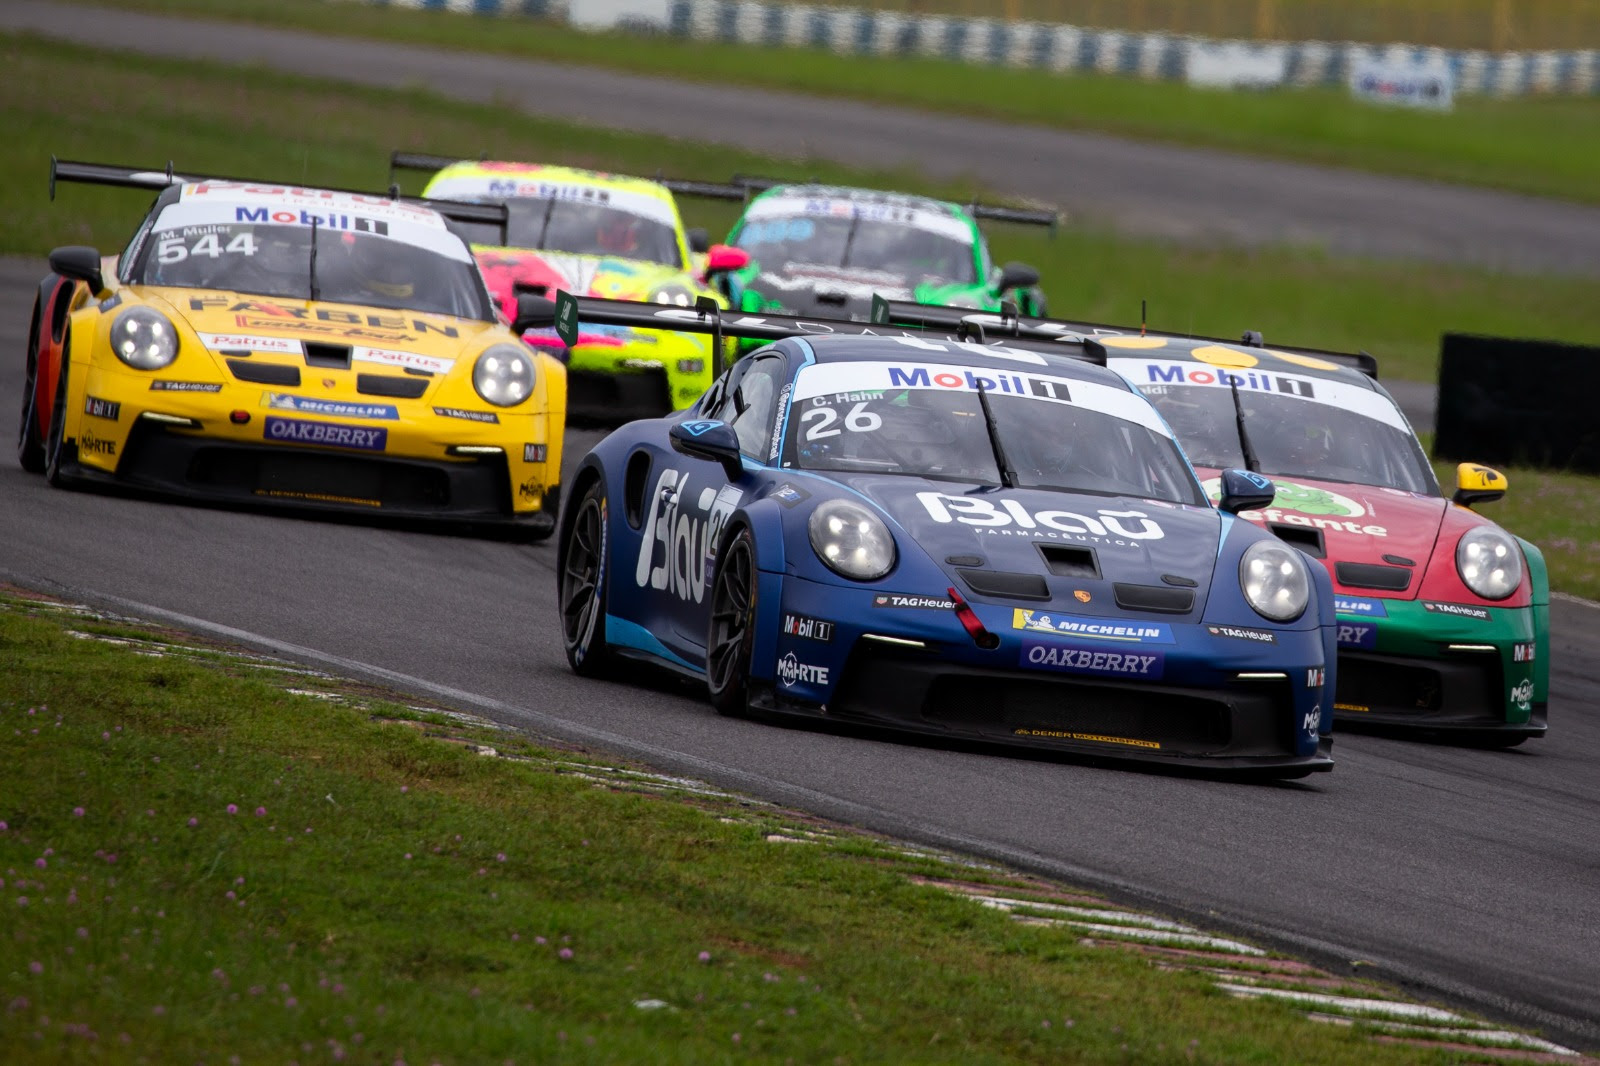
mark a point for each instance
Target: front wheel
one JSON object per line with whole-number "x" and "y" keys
{"x": 30, "y": 448}
{"x": 733, "y": 611}
{"x": 582, "y": 588}
{"x": 55, "y": 442}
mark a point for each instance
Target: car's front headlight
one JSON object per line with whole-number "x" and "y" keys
{"x": 1275, "y": 581}
{"x": 503, "y": 375}
{"x": 851, "y": 540}
{"x": 1489, "y": 562}
{"x": 675, "y": 295}
{"x": 144, "y": 338}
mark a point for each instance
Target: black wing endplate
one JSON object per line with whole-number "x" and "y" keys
{"x": 148, "y": 178}
{"x": 1008, "y": 326}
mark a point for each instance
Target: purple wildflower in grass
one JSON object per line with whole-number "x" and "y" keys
{"x": 3, "y": 827}
{"x": 405, "y": 788}
{"x": 565, "y": 953}
{"x": 231, "y": 895}
{"x": 770, "y": 977}
{"x": 538, "y": 940}
{"x": 105, "y": 736}
{"x": 41, "y": 862}
{"x": 500, "y": 857}
{"x": 790, "y": 1011}
{"x": 338, "y": 990}
{"x": 308, "y": 829}
{"x": 149, "y": 814}
{"x": 408, "y": 855}
{"x": 481, "y": 871}
{"x": 77, "y": 812}
{"x": 36, "y": 967}
{"x": 22, "y": 901}
{"x": 158, "y": 1009}
{"x": 218, "y": 974}
{"x": 291, "y": 1002}
{"x": 1045, "y": 1024}
{"x": 111, "y": 857}
{"x": 516, "y": 936}
{"x": 233, "y": 808}
{"x": 261, "y": 812}
{"x": 256, "y": 990}
{"x": 193, "y": 822}
{"x": 476, "y": 992}
{"x": 83, "y": 934}
{"x": 737, "y": 1038}
{"x": 705, "y": 956}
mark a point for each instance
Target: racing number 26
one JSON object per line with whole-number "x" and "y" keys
{"x": 859, "y": 420}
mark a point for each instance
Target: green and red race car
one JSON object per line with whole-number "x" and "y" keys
{"x": 595, "y": 234}
{"x": 825, "y": 250}
{"x": 1444, "y": 617}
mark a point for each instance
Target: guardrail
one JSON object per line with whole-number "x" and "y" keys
{"x": 1046, "y": 46}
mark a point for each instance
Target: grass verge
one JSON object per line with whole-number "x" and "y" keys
{"x": 1505, "y": 143}
{"x": 209, "y": 857}
{"x": 138, "y": 111}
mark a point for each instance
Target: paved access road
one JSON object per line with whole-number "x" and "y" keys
{"x": 1471, "y": 873}
{"x": 1149, "y": 189}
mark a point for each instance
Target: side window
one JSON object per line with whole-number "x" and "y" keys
{"x": 755, "y": 405}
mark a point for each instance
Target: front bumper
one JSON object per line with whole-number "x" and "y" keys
{"x": 1428, "y": 673}
{"x": 1200, "y": 713}
{"x": 625, "y": 373}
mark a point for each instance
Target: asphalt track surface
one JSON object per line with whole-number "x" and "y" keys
{"x": 1468, "y": 875}
{"x": 1148, "y": 189}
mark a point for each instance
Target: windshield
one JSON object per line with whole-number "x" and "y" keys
{"x": 1292, "y": 436}
{"x": 273, "y": 259}
{"x": 896, "y": 247}
{"x": 579, "y": 228}
{"x": 941, "y": 432}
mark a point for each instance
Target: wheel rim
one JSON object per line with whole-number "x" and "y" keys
{"x": 730, "y": 617}
{"x": 580, "y": 578}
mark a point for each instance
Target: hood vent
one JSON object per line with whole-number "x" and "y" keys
{"x": 1373, "y": 576}
{"x": 1153, "y": 598}
{"x": 1009, "y": 586}
{"x": 1307, "y": 540}
{"x": 264, "y": 373}
{"x": 328, "y": 356}
{"x": 1069, "y": 562}
{"x": 388, "y": 385}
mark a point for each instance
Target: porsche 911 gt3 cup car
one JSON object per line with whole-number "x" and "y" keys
{"x": 824, "y": 250}
{"x": 972, "y": 542}
{"x": 594, "y": 234}
{"x": 1444, "y": 617}
{"x": 295, "y": 346}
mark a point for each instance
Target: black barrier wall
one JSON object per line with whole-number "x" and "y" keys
{"x": 1521, "y": 402}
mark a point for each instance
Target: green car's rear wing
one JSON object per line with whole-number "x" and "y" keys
{"x": 566, "y": 312}
{"x": 1026, "y": 216}
{"x": 146, "y": 178}
{"x": 1008, "y": 325}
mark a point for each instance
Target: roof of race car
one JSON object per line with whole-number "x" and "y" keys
{"x": 858, "y": 347}
{"x": 478, "y": 173}
{"x": 1229, "y": 357}
{"x": 376, "y": 206}
{"x": 813, "y": 190}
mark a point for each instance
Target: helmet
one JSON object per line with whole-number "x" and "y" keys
{"x": 380, "y": 270}
{"x": 618, "y": 234}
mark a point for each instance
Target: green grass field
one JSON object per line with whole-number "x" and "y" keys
{"x": 199, "y": 866}
{"x": 1543, "y": 146}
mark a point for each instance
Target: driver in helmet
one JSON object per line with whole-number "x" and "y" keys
{"x": 618, "y": 234}
{"x": 380, "y": 271}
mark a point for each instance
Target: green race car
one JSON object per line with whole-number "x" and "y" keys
{"x": 825, "y": 250}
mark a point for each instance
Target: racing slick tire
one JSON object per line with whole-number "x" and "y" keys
{"x": 582, "y": 588}
{"x": 55, "y": 445}
{"x": 30, "y": 449}
{"x": 732, "y": 628}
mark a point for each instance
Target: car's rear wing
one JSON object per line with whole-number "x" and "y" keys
{"x": 146, "y": 178}
{"x": 716, "y": 190}
{"x": 1026, "y": 216}
{"x": 567, "y": 312}
{"x": 1008, "y": 324}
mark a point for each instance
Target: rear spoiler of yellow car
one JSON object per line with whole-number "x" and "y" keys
{"x": 1026, "y": 216}
{"x": 400, "y": 160}
{"x": 146, "y": 178}
{"x": 566, "y": 312}
{"x": 1008, "y": 326}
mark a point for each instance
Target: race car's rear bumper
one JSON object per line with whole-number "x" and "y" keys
{"x": 1243, "y": 729}
{"x": 475, "y": 491}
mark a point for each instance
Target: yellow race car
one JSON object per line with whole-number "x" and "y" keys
{"x": 597, "y": 234}
{"x": 294, "y": 346}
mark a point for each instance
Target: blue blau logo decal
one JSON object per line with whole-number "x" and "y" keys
{"x": 1364, "y": 608}
{"x": 1262, "y": 483}
{"x": 1357, "y": 635}
{"x": 699, "y": 427}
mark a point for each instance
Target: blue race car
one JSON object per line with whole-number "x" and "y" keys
{"x": 978, "y": 542}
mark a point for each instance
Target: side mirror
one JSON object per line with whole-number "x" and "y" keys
{"x": 1478, "y": 484}
{"x": 80, "y": 263}
{"x": 706, "y": 438}
{"x": 533, "y": 312}
{"x": 1245, "y": 490}
{"x": 725, "y": 259}
{"x": 1016, "y": 275}
{"x": 699, "y": 239}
